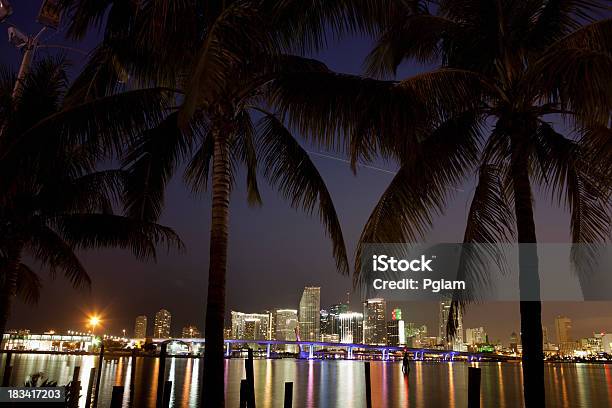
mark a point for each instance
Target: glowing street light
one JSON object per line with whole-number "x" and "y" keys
{"x": 93, "y": 322}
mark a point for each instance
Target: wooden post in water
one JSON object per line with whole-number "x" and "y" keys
{"x": 92, "y": 375}
{"x": 250, "y": 376}
{"x": 161, "y": 375}
{"x": 117, "y": 397}
{"x": 132, "y": 377}
{"x": 75, "y": 388}
{"x": 288, "y": 395}
{"x": 368, "y": 385}
{"x": 167, "y": 393}
{"x": 6, "y": 378}
{"x": 243, "y": 393}
{"x": 473, "y": 387}
{"x": 98, "y": 376}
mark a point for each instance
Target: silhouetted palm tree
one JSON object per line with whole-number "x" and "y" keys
{"x": 218, "y": 56}
{"x": 507, "y": 69}
{"x": 53, "y": 202}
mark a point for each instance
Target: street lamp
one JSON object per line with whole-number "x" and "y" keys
{"x": 93, "y": 322}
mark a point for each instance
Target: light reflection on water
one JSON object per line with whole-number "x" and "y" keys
{"x": 329, "y": 383}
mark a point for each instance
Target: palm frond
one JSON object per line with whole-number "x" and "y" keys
{"x": 421, "y": 187}
{"x": 490, "y": 224}
{"x": 150, "y": 163}
{"x": 574, "y": 73}
{"x": 244, "y": 152}
{"x": 288, "y": 167}
{"x": 28, "y": 285}
{"x": 94, "y": 231}
{"x": 49, "y": 248}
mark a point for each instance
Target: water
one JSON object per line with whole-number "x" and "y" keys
{"x": 331, "y": 383}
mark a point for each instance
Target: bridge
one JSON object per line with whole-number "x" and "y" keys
{"x": 308, "y": 349}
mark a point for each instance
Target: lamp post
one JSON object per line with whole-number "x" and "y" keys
{"x": 49, "y": 16}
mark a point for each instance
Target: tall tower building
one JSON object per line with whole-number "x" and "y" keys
{"x": 161, "y": 329}
{"x": 351, "y": 327}
{"x": 563, "y": 326}
{"x": 374, "y": 321}
{"x": 310, "y": 314}
{"x": 457, "y": 342}
{"x": 250, "y": 326}
{"x": 140, "y": 327}
{"x": 286, "y": 323}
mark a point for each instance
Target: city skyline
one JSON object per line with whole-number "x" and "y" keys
{"x": 279, "y": 253}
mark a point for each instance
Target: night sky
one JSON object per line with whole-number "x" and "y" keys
{"x": 274, "y": 250}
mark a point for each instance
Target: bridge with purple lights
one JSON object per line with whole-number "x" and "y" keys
{"x": 308, "y": 349}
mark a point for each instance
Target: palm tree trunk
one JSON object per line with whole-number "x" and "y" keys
{"x": 213, "y": 390}
{"x": 529, "y": 279}
{"x": 9, "y": 286}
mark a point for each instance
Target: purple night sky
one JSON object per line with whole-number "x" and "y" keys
{"x": 274, "y": 250}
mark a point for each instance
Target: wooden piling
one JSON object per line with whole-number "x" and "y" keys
{"x": 8, "y": 369}
{"x": 244, "y": 386}
{"x": 132, "y": 377}
{"x": 368, "y": 385}
{"x": 161, "y": 375}
{"x": 288, "y": 395}
{"x": 98, "y": 376}
{"x": 248, "y": 365}
{"x": 473, "y": 387}
{"x": 92, "y": 376}
{"x": 75, "y": 373}
{"x": 167, "y": 393}
{"x": 117, "y": 396}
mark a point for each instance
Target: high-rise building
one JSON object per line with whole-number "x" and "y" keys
{"x": 396, "y": 333}
{"x": 351, "y": 327}
{"x": 456, "y": 343}
{"x": 475, "y": 336}
{"x": 286, "y": 323}
{"x": 374, "y": 321}
{"x": 326, "y": 326}
{"x": 310, "y": 314}
{"x": 250, "y": 326}
{"x": 191, "y": 332}
{"x": 563, "y": 327}
{"x": 162, "y": 324}
{"x": 140, "y": 327}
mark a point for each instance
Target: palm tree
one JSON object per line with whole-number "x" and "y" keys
{"x": 218, "y": 57}
{"x": 506, "y": 70}
{"x": 53, "y": 201}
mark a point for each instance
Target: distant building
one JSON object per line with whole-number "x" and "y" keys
{"x": 396, "y": 330}
{"x": 563, "y": 326}
{"x": 514, "y": 342}
{"x": 161, "y": 328}
{"x": 48, "y": 342}
{"x": 191, "y": 332}
{"x": 140, "y": 327}
{"x": 351, "y": 327}
{"x": 474, "y": 336}
{"x": 606, "y": 343}
{"x": 456, "y": 343}
{"x": 396, "y": 333}
{"x": 250, "y": 326}
{"x": 309, "y": 318}
{"x": 374, "y": 321}
{"x": 286, "y": 322}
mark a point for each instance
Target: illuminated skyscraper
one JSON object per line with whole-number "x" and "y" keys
{"x": 563, "y": 326}
{"x": 162, "y": 324}
{"x": 475, "y": 336}
{"x": 310, "y": 314}
{"x": 351, "y": 327}
{"x": 396, "y": 331}
{"x": 140, "y": 327}
{"x": 374, "y": 321}
{"x": 191, "y": 332}
{"x": 250, "y": 326}
{"x": 456, "y": 342}
{"x": 286, "y": 322}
